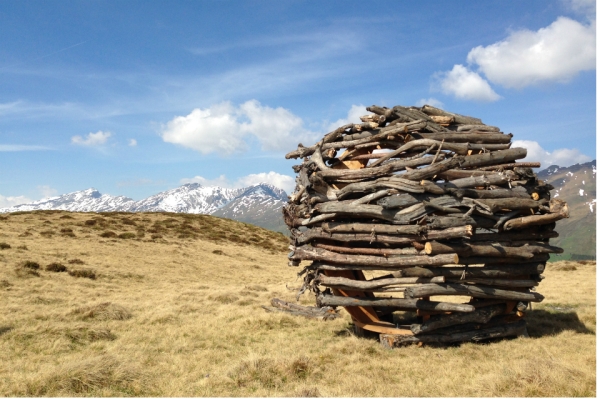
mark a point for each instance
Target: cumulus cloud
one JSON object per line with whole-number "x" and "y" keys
{"x": 46, "y": 191}
{"x": 430, "y": 101}
{"x": 354, "y": 114}
{"x": 465, "y": 84}
{"x": 554, "y": 53}
{"x": 92, "y": 139}
{"x": 214, "y": 129}
{"x": 9, "y": 201}
{"x": 560, "y": 157}
{"x": 281, "y": 181}
{"x": 223, "y": 128}
{"x": 132, "y": 142}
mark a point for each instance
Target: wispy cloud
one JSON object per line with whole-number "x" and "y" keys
{"x": 22, "y": 147}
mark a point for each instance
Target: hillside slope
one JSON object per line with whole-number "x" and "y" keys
{"x": 174, "y": 309}
{"x": 577, "y": 186}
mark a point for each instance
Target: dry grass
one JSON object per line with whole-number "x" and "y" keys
{"x": 179, "y": 315}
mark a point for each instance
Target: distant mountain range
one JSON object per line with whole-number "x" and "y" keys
{"x": 257, "y": 204}
{"x": 577, "y": 186}
{"x": 261, "y": 205}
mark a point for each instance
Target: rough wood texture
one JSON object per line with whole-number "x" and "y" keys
{"x": 480, "y": 315}
{"x": 405, "y": 304}
{"x": 514, "y": 329}
{"x": 438, "y": 200}
{"x": 315, "y": 254}
{"x": 478, "y": 291}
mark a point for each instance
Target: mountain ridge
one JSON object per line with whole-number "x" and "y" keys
{"x": 259, "y": 204}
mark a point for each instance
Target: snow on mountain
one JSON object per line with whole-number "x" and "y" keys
{"x": 81, "y": 201}
{"x": 577, "y": 186}
{"x": 191, "y": 198}
{"x": 258, "y": 204}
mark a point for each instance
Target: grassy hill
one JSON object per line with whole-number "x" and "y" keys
{"x": 157, "y": 304}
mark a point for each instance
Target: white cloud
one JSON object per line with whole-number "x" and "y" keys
{"x": 132, "y": 142}
{"x": 275, "y": 128}
{"x": 223, "y": 128}
{"x": 465, "y": 84}
{"x": 46, "y": 191}
{"x": 92, "y": 139}
{"x": 284, "y": 182}
{"x": 354, "y": 114}
{"x": 560, "y": 157}
{"x": 9, "y": 201}
{"x": 214, "y": 129}
{"x": 430, "y": 101}
{"x": 281, "y": 181}
{"x": 554, "y": 53}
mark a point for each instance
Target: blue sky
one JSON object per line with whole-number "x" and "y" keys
{"x": 133, "y": 98}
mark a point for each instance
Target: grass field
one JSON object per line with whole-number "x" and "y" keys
{"x": 169, "y": 305}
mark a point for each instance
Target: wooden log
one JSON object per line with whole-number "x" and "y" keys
{"x": 481, "y": 315}
{"x": 459, "y": 119}
{"x": 314, "y": 254}
{"x": 512, "y": 204}
{"x": 502, "y": 167}
{"x": 475, "y": 138}
{"x": 380, "y": 119}
{"x": 404, "y": 216}
{"x": 379, "y": 184}
{"x": 487, "y": 272}
{"x": 337, "y": 301}
{"x": 434, "y": 169}
{"x": 343, "y": 227}
{"x": 488, "y": 249}
{"x": 513, "y": 236}
{"x": 513, "y": 283}
{"x": 475, "y": 181}
{"x": 463, "y": 173}
{"x": 372, "y": 173}
{"x": 377, "y": 135}
{"x": 443, "y": 120}
{"x": 441, "y": 222}
{"x": 477, "y": 127}
{"x": 458, "y": 148}
{"x": 558, "y": 210}
{"x": 478, "y": 291}
{"x": 367, "y": 250}
{"x": 515, "y": 329}
{"x": 496, "y": 193}
{"x": 496, "y": 157}
{"x": 373, "y": 237}
{"x": 542, "y": 257}
{"x": 352, "y": 284}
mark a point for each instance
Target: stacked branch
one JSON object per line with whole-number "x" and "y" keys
{"x": 431, "y": 203}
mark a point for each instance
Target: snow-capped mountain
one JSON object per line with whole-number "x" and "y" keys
{"x": 191, "y": 198}
{"x": 577, "y": 186}
{"x": 84, "y": 200}
{"x": 257, "y": 204}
